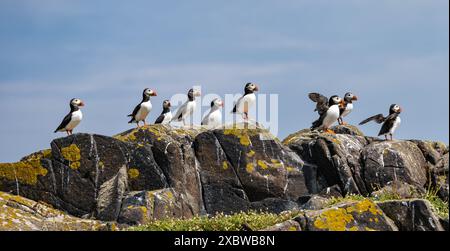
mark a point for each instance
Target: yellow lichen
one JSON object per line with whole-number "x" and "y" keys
{"x": 251, "y": 154}
{"x": 250, "y": 167}
{"x": 73, "y": 155}
{"x": 291, "y": 169}
{"x": 292, "y": 228}
{"x": 367, "y": 206}
{"x": 333, "y": 220}
{"x": 241, "y": 134}
{"x": 26, "y": 171}
{"x": 225, "y": 165}
{"x": 262, "y": 164}
{"x": 133, "y": 173}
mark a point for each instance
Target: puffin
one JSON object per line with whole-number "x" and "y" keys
{"x": 214, "y": 117}
{"x": 347, "y": 108}
{"x": 187, "y": 108}
{"x": 244, "y": 103}
{"x": 166, "y": 114}
{"x": 72, "y": 119}
{"x": 141, "y": 111}
{"x": 390, "y": 123}
{"x": 328, "y": 109}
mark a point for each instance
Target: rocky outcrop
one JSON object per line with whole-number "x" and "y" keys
{"x": 158, "y": 171}
{"x": 18, "y": 213}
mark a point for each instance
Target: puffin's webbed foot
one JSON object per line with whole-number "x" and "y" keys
{"x": 329, "y": 131}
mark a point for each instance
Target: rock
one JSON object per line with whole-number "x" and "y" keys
{"x": 21, "y": 214}
{"x": 331, "y": 159}
{"x": 399, "y": 190}
{"x": 412, "y": 215}
{"x": 347, "y": 216}
{"x": 431, "y": 150}
{"x": 110, "y": 195}
{"x": 389, "y": 161}
{"x": 240, "y": 166}
{"x": 274, "y": 205}
{"x": 141, "y": 207}
{"x": 315, "y": 203}
{"x": 444, "y": 223}
{"x": 174, "y": 153}
{"x": 439, "y": 178}
{"x": 289, "y": 225}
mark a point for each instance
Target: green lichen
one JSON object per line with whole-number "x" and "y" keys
{"x": 27, "y": 170}
{"x": 133, "y": 173}
{"x": 73, "y": 154}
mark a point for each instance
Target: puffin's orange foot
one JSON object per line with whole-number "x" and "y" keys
{"x": 344, "y": 123}
{"x": 330, "y": 131}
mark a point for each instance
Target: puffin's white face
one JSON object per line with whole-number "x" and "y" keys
{"x": 166, "y": 104}
{"x": 218, "y": 103}
{"x": 150, "y": 92}
{"x": 252, "y": 87}
{"x": 337, "y": 100}
{"x": 350, "y": 96}
{"x": 397, "y": 109}
{"x": 77, "y": 102}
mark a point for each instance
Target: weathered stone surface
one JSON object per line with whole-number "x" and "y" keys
{"x": 241, "y": 166}
{"x": 21, "y": 214}
{"x": 141, "y": 207}
{"x": 412, "y": 215}
{"x": 316, "y": 202}
{"x": 332, "y": 159}
{"x": 399, "y": 190}
{"x": 289, "y": 225}
{"x": 347, "y": 216}
{"x": 388, "y": 161}
{"x": 174, "y": 153}
{"x": 274, "y": 205}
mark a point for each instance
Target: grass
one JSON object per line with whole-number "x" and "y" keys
{"x": 439, "y": 206}
{"x": 220, "y": 222}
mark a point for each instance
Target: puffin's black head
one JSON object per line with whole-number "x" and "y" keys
{"x": 192, "y": 94}
{"x": 250, "y": 88}
{"x": 76, "y": 103}
{"x": 350, "y": 97}
{"x": 147, "y": 93}
{"x": 166, "y": 104}
{"x": 217, "y": 102}
{"x": 335, "y": 100}
{"x": 395, "y": 109}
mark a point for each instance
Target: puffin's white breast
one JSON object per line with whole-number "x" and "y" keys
{"x": 331, "y": 117}
{"x": 246, "y": 101}
{"x": 145, "y": 109}
{"x": 348, "y": 109}
{"x": 213, "y": 119}
{"x": 396, "y": 124}
{"x": 77, "y": 116}
{"x": 167, "y": 118}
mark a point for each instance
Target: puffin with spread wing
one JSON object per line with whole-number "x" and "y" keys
{"x": 328, "y": 109}
{"x": 390, "y": 123}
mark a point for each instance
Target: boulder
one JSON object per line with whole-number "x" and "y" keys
{"x": 141, "y": 207}
{"x": 21, "y": 214}
{"x": 331, "y": 159}
{"x": 388, "y": 161}
{"x": 242, "y": 165}
{"x": 398, "y": 190}
{"x": 347, "y": 216}
{"x": 412, "y": 215}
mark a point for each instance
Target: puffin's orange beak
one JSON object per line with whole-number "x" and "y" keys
{"x": 256, "y": 88}
{"x": 197, "y": 93}
{"x": 81, "y": 103}
{"x": 153, "y": 93}
{"x": 355, "y": 98}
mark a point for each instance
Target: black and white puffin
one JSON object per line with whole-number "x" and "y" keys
{"x": 214, "y": 117}
{"x": 347, "y": 108}
{"x": 390, "y": 123}
{"x": 166, "y": 114}
{"x": 72, "y": 119}
{"x": 141, "y": 111}
{"x": 245, "y": 102}
{"x": 187, "y": 108}
{"x": 328, "y": 109}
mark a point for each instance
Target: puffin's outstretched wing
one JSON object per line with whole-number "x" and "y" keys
{"x": 133, "y": 114}
{"x": 65, "y": 122}
{"x": 379, "y": 118}
{"x": 160, "y": 119}
{"x": 321, "y": 102}
{"x": 388, "y": 124}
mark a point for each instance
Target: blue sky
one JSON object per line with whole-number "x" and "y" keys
{"x": 106, "y": 52}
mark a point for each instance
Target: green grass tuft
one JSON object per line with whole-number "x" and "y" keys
{"x": 220, "y": 222}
